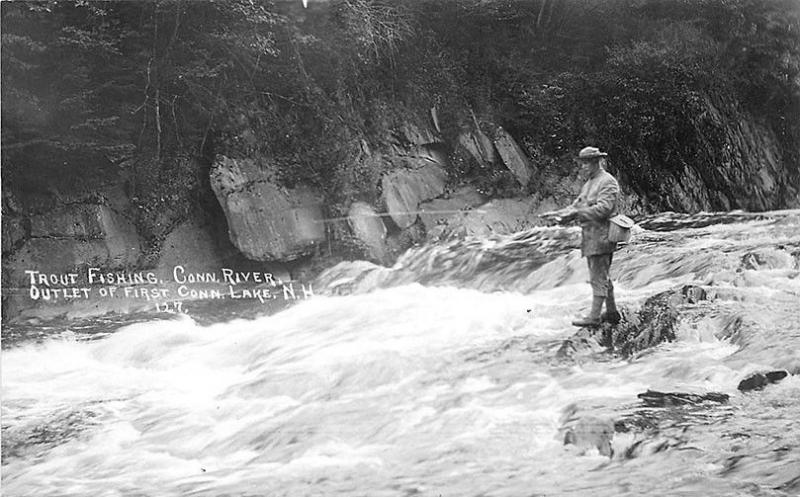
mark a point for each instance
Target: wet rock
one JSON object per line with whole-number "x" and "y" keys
{"x": 654, "y": 323}
{"x": 693, "y": 294}
{"x": 368, "y": 228}
{"x": 441, "y": 211}
{"x": 265, "y": 221}
{"x": 513, "y": 156}
{"x": 404, "y": 190}
{"x": 653, "y": 398}
{"x": 757, "y": 381}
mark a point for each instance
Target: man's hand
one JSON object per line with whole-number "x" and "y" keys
{"x": 568, "y": 214}
{"x": 560, "y": 216}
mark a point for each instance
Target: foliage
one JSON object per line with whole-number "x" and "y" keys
{"x": 110, "y": 87}
{"x": 669, "y": 97}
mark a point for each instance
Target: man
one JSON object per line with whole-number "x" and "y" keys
{"x": 596, "y": 204}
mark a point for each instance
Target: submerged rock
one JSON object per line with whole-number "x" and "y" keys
{"x": 588, "y": 433}
{"x": 757, "y": 381}
{"x": 654, "y": 323}
{"x": 653, "y": 398}
{"x": 581, "y": 343}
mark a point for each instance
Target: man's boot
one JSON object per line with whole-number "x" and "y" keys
{"x": 593, "y": 319}
{"x": 611, "y": 315}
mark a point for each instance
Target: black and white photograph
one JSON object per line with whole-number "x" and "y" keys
{"x": 400, "y": 248}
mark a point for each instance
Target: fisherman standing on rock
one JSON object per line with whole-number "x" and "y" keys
{"x": 597, "y": 203}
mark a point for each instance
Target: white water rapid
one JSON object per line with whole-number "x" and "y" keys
{"x": 438, "y": 377}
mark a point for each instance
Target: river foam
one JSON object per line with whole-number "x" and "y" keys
{"x": 446, "y": 388}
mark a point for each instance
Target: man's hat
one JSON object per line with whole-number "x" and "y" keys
{"x": 591, "y": 153}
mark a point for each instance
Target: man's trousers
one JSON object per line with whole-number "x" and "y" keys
{"x": 599, "y": 277}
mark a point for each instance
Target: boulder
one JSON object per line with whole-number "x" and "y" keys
{"x": 368, "y": 228}
{"x": 499, "y": 216}
{"x": 265, "y": 221}
{"x": 757, "y": 381}
{"x": 513, "y": 156}
{"x": 405, "y": 189}
{"x": 439, "y": 211}
{"x": 656, "y": 321}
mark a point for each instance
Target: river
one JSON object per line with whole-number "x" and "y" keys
{"x": 437, "y": 377}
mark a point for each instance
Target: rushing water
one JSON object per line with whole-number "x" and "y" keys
{"x": 436, "y": 377}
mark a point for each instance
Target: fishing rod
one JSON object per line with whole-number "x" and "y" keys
{"x": 345, "y": 218}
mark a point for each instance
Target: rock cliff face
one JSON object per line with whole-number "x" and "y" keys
{"x": 79, "y": 235}
{"x": 190, "y": 245}
{"x": 730, "y": 161}
{"x": 269, "y": 222}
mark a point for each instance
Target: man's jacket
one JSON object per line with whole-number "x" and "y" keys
{"x": 596, "y": 204}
